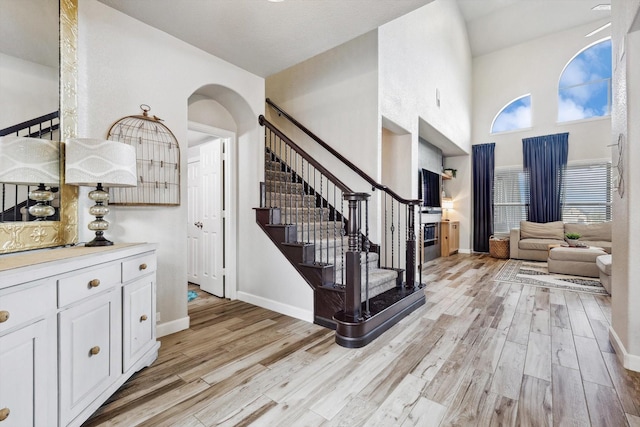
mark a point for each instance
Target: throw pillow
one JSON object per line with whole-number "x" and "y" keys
{"x": 536, "y": 230}
{"x": 594, "y": 232}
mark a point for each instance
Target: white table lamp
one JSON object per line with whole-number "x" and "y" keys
{"x": 32, "y": 161}
{"x": 97, "y": 163}
{"x": 447, "y": 203}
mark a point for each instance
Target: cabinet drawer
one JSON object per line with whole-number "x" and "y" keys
{"x": 138, "y": 267}
{"x": 85, "y": 283}
{"x": 24, "y": 305}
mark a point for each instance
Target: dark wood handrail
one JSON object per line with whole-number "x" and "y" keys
{"x": 30, "y": 123}
{"x": 341, "y": 185}
{"x": 343, "y": 159}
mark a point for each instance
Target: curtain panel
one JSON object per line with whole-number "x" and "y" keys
{"x": 545, "y": 158}
{"x": 483, "y": 159}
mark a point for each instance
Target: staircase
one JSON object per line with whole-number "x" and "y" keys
{"x": 322, "y": 227}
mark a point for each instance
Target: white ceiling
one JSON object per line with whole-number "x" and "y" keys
{"x": 265, "y": 37}
{"x": 497, "y": 24}
{"x": 29, "y": 30}
{"x": 261, "y": 36}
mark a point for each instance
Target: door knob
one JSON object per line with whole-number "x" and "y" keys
{"x": 198, "y": 224}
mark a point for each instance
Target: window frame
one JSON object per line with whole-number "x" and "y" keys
{"x": 507, "y": 105}
{"x": 590, "y": 82}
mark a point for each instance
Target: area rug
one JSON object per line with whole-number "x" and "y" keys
{"x": 536, "y": 274}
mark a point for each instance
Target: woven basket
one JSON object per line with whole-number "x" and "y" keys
{"x": 499, "y": 248}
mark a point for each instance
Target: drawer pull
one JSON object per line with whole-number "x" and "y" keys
{"x": 94, "y": 350}
{"x": 143, "y": 266}
{"x": 94, "y": 283}
{"x": 4, "y": 413}
{"x": 143, "y": 317}
{"x": 4, "y": 316}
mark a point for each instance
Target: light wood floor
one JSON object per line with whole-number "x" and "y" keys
{"x": 479, "y": 353}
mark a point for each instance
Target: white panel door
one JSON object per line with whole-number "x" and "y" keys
{"x": 194, "y": 231}
{"x": 211, "y": 191}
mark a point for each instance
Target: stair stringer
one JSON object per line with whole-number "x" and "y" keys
{"x": 328, "y": 299}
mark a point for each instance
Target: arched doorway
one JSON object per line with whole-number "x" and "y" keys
{"x": 218, "y": 121}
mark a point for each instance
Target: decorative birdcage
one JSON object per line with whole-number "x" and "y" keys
{"x": 158, "y": 161}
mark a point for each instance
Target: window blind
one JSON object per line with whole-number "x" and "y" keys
{"x": 587, "y": 195}
{"x": 510, "y": 198}
{"x": 587, "y": 192}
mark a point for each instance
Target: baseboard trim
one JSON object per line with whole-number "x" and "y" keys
{"x": 464, "y": 251}
{"x": 629, "y": 361}
{"x": 168, "y": 328}
{"x": 276, "y": 306}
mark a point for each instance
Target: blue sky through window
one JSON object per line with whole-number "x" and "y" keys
{"x": 584, "y": 89}
{"x": 516, "y": 115}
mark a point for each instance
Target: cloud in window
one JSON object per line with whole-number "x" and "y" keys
{"x": 584, "y": 88}
{"x": 576, "y": 73}
{"x": 569, "y": 110}
{"x": 593, "y": 63}
{"x": 516, "y": 115}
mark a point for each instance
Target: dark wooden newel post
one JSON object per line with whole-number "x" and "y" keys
{"x": 411, "y": 249}
{"x": 352, "y": 258}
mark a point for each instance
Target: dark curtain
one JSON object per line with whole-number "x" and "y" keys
{"x": 483, "y": 170}
{"x": 545, "y": 158}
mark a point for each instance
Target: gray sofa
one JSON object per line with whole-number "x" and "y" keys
{"x": 531, "y": 241}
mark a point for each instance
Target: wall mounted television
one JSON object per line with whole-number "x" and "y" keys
{"x": 429, "y": 188}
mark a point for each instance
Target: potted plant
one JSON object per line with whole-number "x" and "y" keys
{"x": 450, "y": 172}
{"x": 572, "y": 238}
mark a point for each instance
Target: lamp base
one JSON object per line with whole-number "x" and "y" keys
{"x": 99, "y": 225}
{"x": 99, "y": 241}
{"x": 41, "y": 210}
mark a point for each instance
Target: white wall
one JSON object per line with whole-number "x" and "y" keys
{"x": 421, "y": 52}
{"x": 32, "y": 89}
{"x": 396, "y": 149}
{"x": 625, "y": 293}
{"x": 335, "y": 95}
{"x": 347, "y": 95}
{"x": 533, "y": 67}
{"x": 124, "y": 63}
{"x": 210, "y": 112}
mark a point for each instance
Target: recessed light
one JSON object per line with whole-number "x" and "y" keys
{"x": 602, "y": 7}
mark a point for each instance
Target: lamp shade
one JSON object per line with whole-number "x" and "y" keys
{"x": 29, "y": 161}
{"x": 447, "y": 203}
{"x": 90, "y": 162}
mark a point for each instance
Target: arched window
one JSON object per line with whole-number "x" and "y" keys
{"x": 515, "y": 115}
{"x": 584, "y": 90}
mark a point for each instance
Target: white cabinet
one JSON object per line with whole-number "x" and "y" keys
{"x": 90, "y": 337}
{"x": 75, "y": 324}
{"x": 139, "y": 319}
{"x": 27, "y": 354}
{"x": 23, "y": 386}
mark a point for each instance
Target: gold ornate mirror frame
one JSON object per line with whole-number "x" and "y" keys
{"x": 21, "y": 236}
